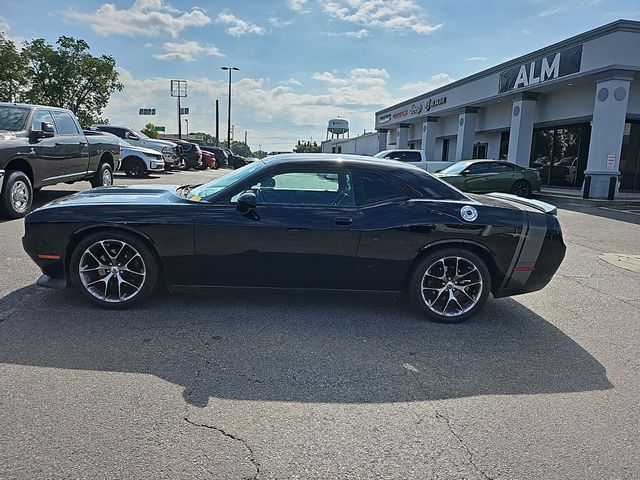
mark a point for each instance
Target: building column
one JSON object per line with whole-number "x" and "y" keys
{"x": 402, "y": 136}
{"x": 607, "y": 130}
{"x": 466, "y": 133}
{"x": 429, "y": 137}
{"x": 523, "y": 114}
{"x": 382, "y": 139}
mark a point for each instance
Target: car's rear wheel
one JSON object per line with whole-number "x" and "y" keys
{"x": 103, "y": 176}
{"x": 521, "y": 188}
{"x": 16, "y": 196}
{"x": 450, "y": 285}
{"x": 114, "y": 269}
{"x": 134, "y": 167}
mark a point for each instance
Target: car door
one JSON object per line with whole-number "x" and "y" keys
{"x": 45, "y": 153}
{"x": 503, "y": 176}
{"x": 303, "y": 232}
{"x": 477, "y": 178}
{"x": 73, "y": 145}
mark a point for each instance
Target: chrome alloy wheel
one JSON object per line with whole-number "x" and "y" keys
{"x": 112, "y": 271}
{"x": 20, "y": 196}
{"x": 107, "y": 178}
{"x": 451, "y": 286}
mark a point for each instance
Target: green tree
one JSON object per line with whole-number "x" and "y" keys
{"x": 307, "y": 147}
{"x": 150, "y": 130}
{"x": 259, "y": 154}
{"x": 69, "y": 76}
{"x": 13, "y": 68}
{"x": 240, "y": 148}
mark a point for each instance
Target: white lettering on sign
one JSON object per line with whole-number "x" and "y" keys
{"x": 521, "y": 81}
{"x": 611, "y": 162}
{"x": 550, "y": 71}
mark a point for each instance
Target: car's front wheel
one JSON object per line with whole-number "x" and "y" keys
{"x": 134, "y": 167}
{"x": 114, "y": 269}
{"x": 450, "y": 285}
{"x": 16, "y": 196}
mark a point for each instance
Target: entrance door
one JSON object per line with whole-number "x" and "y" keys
{"x": 630, "y": 158}
{"x": 560, "y": 155}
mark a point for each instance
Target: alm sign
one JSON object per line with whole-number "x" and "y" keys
{"x": 546, "y": 68}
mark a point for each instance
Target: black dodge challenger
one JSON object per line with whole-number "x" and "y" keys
{"x": 300, "y": 221}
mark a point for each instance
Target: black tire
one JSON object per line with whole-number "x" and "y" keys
{"x": 134, "y": 167}
{"x": 150, "y": 264}
{"x": 436, "y": 290}
{"x": 521, "y": 188}
{"x": 103, "y": 173}
{"x": 16, "y": 196}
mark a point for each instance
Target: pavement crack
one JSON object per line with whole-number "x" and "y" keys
{"x": 444, "y": 418}
{"x": 252, "y": 456}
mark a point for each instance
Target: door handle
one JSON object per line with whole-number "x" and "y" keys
{"x": 83, "y": 143}
{"x": 343, "y": 221}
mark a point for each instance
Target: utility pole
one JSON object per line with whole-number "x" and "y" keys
{"x": 217, "y": 125}
{"x": 245, "y": 137}
{"x": 179, "y": 89}
{"x": 229, "y": 110}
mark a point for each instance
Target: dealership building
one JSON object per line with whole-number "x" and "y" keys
{"x": 570, "y": 110}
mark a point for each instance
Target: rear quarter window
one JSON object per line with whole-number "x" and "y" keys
{"x": 420, "y": 184}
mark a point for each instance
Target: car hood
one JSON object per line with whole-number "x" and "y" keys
{"x": 159, "y": 143}
{"x": 135, "y": 149}
{"x": 122, "y": 195}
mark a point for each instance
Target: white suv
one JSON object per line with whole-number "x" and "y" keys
{"x": 413, "y": 157}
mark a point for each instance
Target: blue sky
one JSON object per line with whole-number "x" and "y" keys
{"x": 301, "y": 62}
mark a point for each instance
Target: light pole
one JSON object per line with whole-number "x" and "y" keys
{"x": 229, "y": 111}
{"x": 186, "y": 120}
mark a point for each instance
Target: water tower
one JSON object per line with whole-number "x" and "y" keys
{"x": 337, "y": 127}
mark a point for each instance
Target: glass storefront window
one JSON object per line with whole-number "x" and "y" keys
{"x": 560, "y": 155}
{"x": 630, "y": 158}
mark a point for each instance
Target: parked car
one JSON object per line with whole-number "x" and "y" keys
{"x": 191, "y": 153}
{"x": 218, "y": 152}
{"x": 208, "y": 160}
{"x": 252, "y": 159}
{"x": 236, "y": 161}
{"x": 170, "y": 151}
{"x": 42, "y": 146}
{"x": 300, "y": 221}
{"x": 413, "y": 157}
{"x": 134, "y": 161}
{"x": 484, "y": 176}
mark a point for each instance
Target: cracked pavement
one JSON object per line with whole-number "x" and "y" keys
{"x": 304, "y": 385}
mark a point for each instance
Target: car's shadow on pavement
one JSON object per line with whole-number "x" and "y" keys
{"x": 299, "y": 346}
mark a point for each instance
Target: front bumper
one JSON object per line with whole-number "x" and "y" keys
{"x": 49, "y": 282}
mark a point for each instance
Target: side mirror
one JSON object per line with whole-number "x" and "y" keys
{"x": 131, "y": 136}
{"x": 464, "y": 173}
{"x": 246, "y": 201}
{"x": 46, "y": 131}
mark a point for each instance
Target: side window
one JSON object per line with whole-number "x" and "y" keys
{"x": 375, "y": 189}
{"x": 412, "y": 156}
{"x": 39, "y": 117}
{"x": 478, "y": 168}
{"x": 118, "y": 132}
{"x": 501, "y": 167}
{"x": 65, "y": 124}
{"x": 305, "y": 188}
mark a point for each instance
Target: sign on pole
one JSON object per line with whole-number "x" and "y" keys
{"x": 184, "y": 111}
{"x": 147, "y": 111}
{"x": 159, "y": 128}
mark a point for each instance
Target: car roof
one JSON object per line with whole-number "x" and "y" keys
{"x": 30, "y": 106}
{"x": 338, "y": 159}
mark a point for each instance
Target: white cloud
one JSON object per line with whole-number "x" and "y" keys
{"x": 476, "y": 59}
{"x": 299, "y": 6}
{"x": 363, "y": 32}
{"x": 5, "y": 27}
{"x": 293, "y": 81}
{"x": 436, "y": 81}
{"x": 237, "y": 26}
{"x": 397, "y": 15}
{"x": 187, "y": 51}
{"x": 279, "y": 22}
{"x": 144, "y": 17}
{"x": 275, "y": 116}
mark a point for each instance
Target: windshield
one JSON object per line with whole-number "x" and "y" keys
{"x": 381, "y": 154}
{"x": 214, "y": 186}
{"x": 12, "y": 119}
{"x": 455, "y": 168}
{"x": 139, "y": 134}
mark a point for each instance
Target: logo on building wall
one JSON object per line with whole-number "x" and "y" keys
{"x": 431, "y": 103}
{"x": 401, "y": 113}
{"x": 546, "y": 68}
{"x": 415, "y": 109}
{"x": 384, "y": 118}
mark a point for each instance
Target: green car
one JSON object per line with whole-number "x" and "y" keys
{"x": 485, "y": 176}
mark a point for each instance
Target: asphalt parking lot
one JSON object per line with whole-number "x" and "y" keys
{"x": 325, "y": 385}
